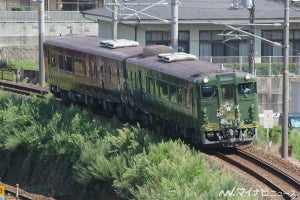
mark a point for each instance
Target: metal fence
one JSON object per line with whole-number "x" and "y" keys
{"x": 50, "y": 16}
{"x": 20, "y": 54}
{"x": 265, "y": 65}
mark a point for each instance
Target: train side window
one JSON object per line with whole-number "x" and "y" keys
{"x": 134, "y": 80}
{"x": 78, "y": 66}
{"x": 69, "y": 64}
{"x": 102, "y": 75}
{"x": 61, "y": 61}
{"x": 140, "y": 82}
{"x": 227, "y": 92}
{"x": 88, "y": 68}
{"x": 52, "y": 60}
{"x": 179, "y": 95}
{"x": 192, "y": 99}
{"x": 186, "y": 97}
{"x": 47, "y": 53}
{"x": 110, "y": 73}
{"x": 208, "y": 91}
{"x": 247, "y": 88}
{"x": 129, "y": 79}
{"x": 151, "y": 86}
{"x": 93, "y": 70}
{"x": 118, "y": 75}
{"x": 173, "y": 93}
{"x": 163, "y": 90}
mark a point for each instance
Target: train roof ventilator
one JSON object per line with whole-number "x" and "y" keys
{"x": 177, "y": 56}
{"x": 118, "y": 43}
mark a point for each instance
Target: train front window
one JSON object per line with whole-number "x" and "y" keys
{"x": 247, "y": 88}
{"x": 208, "y": 91}
{"x": 228, "y": 92}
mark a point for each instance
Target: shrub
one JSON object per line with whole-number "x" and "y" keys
{"x": 17, "y": 9}
{"x": 135, "y": 161}
{"x": 5, "y": 63}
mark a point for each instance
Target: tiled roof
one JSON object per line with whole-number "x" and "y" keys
{"x": 202, "y": 11}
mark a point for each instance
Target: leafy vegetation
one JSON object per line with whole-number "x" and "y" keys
{"x": 17, "y": 9}
{"x": 5, "y": 63}
{"x": 275, "y": 137}
{"x": 137, "y": 163}
{"x": 25, "y": 65}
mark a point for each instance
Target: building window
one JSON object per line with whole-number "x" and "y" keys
{"x": 268, "y": 49}
{"x": 211, "y": 44}
{"x": 164, "y": 38}
{"x": 295, "y": 42}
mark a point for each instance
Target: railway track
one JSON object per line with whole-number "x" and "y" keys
{"x": 11, "y": 194}
{"x": 23, "y": 89}
{"x": 15, "y": 192}
{"x": 280, "y": 180}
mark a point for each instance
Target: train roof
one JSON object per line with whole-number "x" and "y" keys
{"x": 189, "y": 69}
{"x": 91, "y": 45}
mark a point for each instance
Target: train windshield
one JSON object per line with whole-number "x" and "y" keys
{"x": 247, "y": 88}
{"x": 228, "y": 92}
{"x": 208, "y": 91}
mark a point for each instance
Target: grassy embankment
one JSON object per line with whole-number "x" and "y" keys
{"x": 136, "y": 163}
{"x": 275, "y": 140}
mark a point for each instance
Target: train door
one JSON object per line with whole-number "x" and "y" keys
{"x": 208, "y": 101}
{"x": 227, "y": 105}
{"x": 51, "y": 64}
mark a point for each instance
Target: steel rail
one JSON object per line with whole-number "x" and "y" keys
{"x": 24, "y": 89}
{"x": 258, "y": 176}
{"x": 292, "y": 180}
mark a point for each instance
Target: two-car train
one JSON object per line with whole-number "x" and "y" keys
{"x": 190, "y": 98}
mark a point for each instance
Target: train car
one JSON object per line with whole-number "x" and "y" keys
{"x": 78, "y": 69}
{"x": 196, "y": 100}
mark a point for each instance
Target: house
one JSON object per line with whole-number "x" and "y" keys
{"x": 50, "y": 5}
{"x": 203, "y": 26}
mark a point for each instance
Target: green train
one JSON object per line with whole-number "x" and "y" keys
{"x": 192, "y": 99}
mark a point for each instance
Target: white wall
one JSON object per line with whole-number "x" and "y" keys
{"x": 26, "y": 33}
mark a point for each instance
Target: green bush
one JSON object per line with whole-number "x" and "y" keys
{"x": 5, "y": 63}
{"x": 294, "y": 140}
{"x": 136, "y": 162}
{"x": 17, "y": 9}
{"x": 276, "y": 137}
{"x": 24, "y": 65}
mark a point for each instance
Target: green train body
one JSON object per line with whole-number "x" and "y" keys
{"x": 192, "y": 99}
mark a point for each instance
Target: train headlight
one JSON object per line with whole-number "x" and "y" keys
{"x": 247, "y": 77}
{"x": 205, "y": 80}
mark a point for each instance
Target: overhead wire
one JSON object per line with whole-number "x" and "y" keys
{"x": 147, "y": 27}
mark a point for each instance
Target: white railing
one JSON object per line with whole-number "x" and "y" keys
{"x": 32, "y": 16}
{"x": 266, "y": 65}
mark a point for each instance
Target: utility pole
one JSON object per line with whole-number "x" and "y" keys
{"x": 41, "y": 38}
{"x": 252, "y": 39}
{"x": 285, "y": 71}
{"x": 174, "y": 25}
{"x": 115, "y": 21}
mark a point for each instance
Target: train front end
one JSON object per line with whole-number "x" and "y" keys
{"x": 227, "y": 109}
